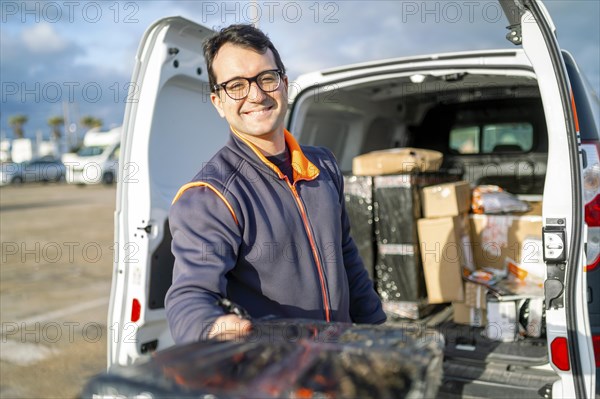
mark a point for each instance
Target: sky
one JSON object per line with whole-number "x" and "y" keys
{"x": 75, "y": 58}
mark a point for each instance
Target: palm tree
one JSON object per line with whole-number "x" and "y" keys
{"x": 90, "y": 122}
{"x": 55, "y": 123}
{"x": 17, "y": 122}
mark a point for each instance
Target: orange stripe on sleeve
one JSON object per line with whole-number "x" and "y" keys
{"x": 203, "y": 184}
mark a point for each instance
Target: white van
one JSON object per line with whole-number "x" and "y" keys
{"x": 417, "y": 102}
{"x": 97, "y": 161}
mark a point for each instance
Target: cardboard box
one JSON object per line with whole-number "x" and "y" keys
{"x": 445, "y": 252}
{"x": 396, "y": 160}
{"x": 465, "y": 314}
{"x": 475, "y": 295}
{"x": 449, "y": 199}
{"x": 497, "y": 237}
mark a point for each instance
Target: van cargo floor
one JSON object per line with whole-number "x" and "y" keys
{"x": 465, "y": 342}
{"x": 464, "y": 380}
{"x": 471, "y": 343}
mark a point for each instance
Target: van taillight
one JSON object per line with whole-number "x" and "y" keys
{"x": 591, "y": 201}
{"x": 593, "y": 265}
{"x": 596, "y": 341}
{"x": 592, "y": 212}
{"x": 136, "y": 310}
{"x": 560, "y": 353}
{"x": 591, "y": 178}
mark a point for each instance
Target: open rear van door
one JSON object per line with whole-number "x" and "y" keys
{"x": 569, "y": 338}
{"x": 170, "y": 130}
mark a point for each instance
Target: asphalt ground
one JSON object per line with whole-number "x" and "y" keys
{"x": 55, "y": 274}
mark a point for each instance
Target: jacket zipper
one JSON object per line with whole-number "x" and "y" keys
{"x": 314, "y": 249}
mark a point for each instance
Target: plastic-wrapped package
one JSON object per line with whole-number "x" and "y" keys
{"x": 493, "y": 199}
{"x": 398, "y": 267}
{"x": 289, "y": 359}
{"x": 358, "y": 195}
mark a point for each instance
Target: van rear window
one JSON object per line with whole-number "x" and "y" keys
{"x": 90, "y": 151}
{"x": 492, "y": 138}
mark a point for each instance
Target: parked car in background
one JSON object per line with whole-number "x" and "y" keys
{"x": 45, "y": 169}
{"x": 97, "y": 161}
{"x": 8, "y": 170}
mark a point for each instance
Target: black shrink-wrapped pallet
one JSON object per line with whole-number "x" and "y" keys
{"x": 358, "y": 194}
{"x": 289, "y": 359}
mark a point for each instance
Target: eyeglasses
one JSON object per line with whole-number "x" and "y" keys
{"x": 238, "y": 88}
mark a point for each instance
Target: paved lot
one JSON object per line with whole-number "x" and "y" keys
{"x": 55, "y": 274}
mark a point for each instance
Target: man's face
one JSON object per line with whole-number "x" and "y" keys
{"x": 260, "y": 114}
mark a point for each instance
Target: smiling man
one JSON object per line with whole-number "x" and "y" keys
{"x": 263, "y": 224}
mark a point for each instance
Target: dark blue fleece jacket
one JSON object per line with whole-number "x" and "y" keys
{"x": 243, "y": 231}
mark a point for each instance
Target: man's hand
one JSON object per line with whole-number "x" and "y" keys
{"x": 230, "y": 327}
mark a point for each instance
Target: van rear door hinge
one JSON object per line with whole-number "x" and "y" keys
{"x": 514, "y": 34}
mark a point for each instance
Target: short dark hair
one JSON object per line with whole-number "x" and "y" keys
{"x": 243, "y": 35}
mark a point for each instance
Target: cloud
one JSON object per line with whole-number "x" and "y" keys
{"x": 40, "y": 76}
{"x": 43, "y": 39}
{"x": 362, "y": 31}
{"x": 36, "y": 48}
{"x": 78, "y": 50}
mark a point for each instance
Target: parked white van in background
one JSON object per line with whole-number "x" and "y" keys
{"x": 418, "y": 102}
{"x": 97, "y": 161}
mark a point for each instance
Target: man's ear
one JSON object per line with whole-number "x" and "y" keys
{"x": 215, "y": 99}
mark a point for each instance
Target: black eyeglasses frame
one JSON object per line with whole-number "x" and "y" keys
{"x": 254, "y": 79}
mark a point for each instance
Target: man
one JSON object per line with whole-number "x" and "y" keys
{"x": 263, "y": 224}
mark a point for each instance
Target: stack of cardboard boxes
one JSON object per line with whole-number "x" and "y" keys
{"x": 383, "y": 201}
{"x": 383, "y": 213}
{"x": 511, "y": 244}
{"x": 461, "y": 251}
{"x": 422, "y": 246}
{"x": 444, "y": 236}
{"x": 398, "y": 269}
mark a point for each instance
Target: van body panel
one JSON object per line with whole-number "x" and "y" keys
{"x": 571, "y": 321}
{"x": 170, "y": 131}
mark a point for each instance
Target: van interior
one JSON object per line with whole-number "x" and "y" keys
{"x": 490, "y": 128}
